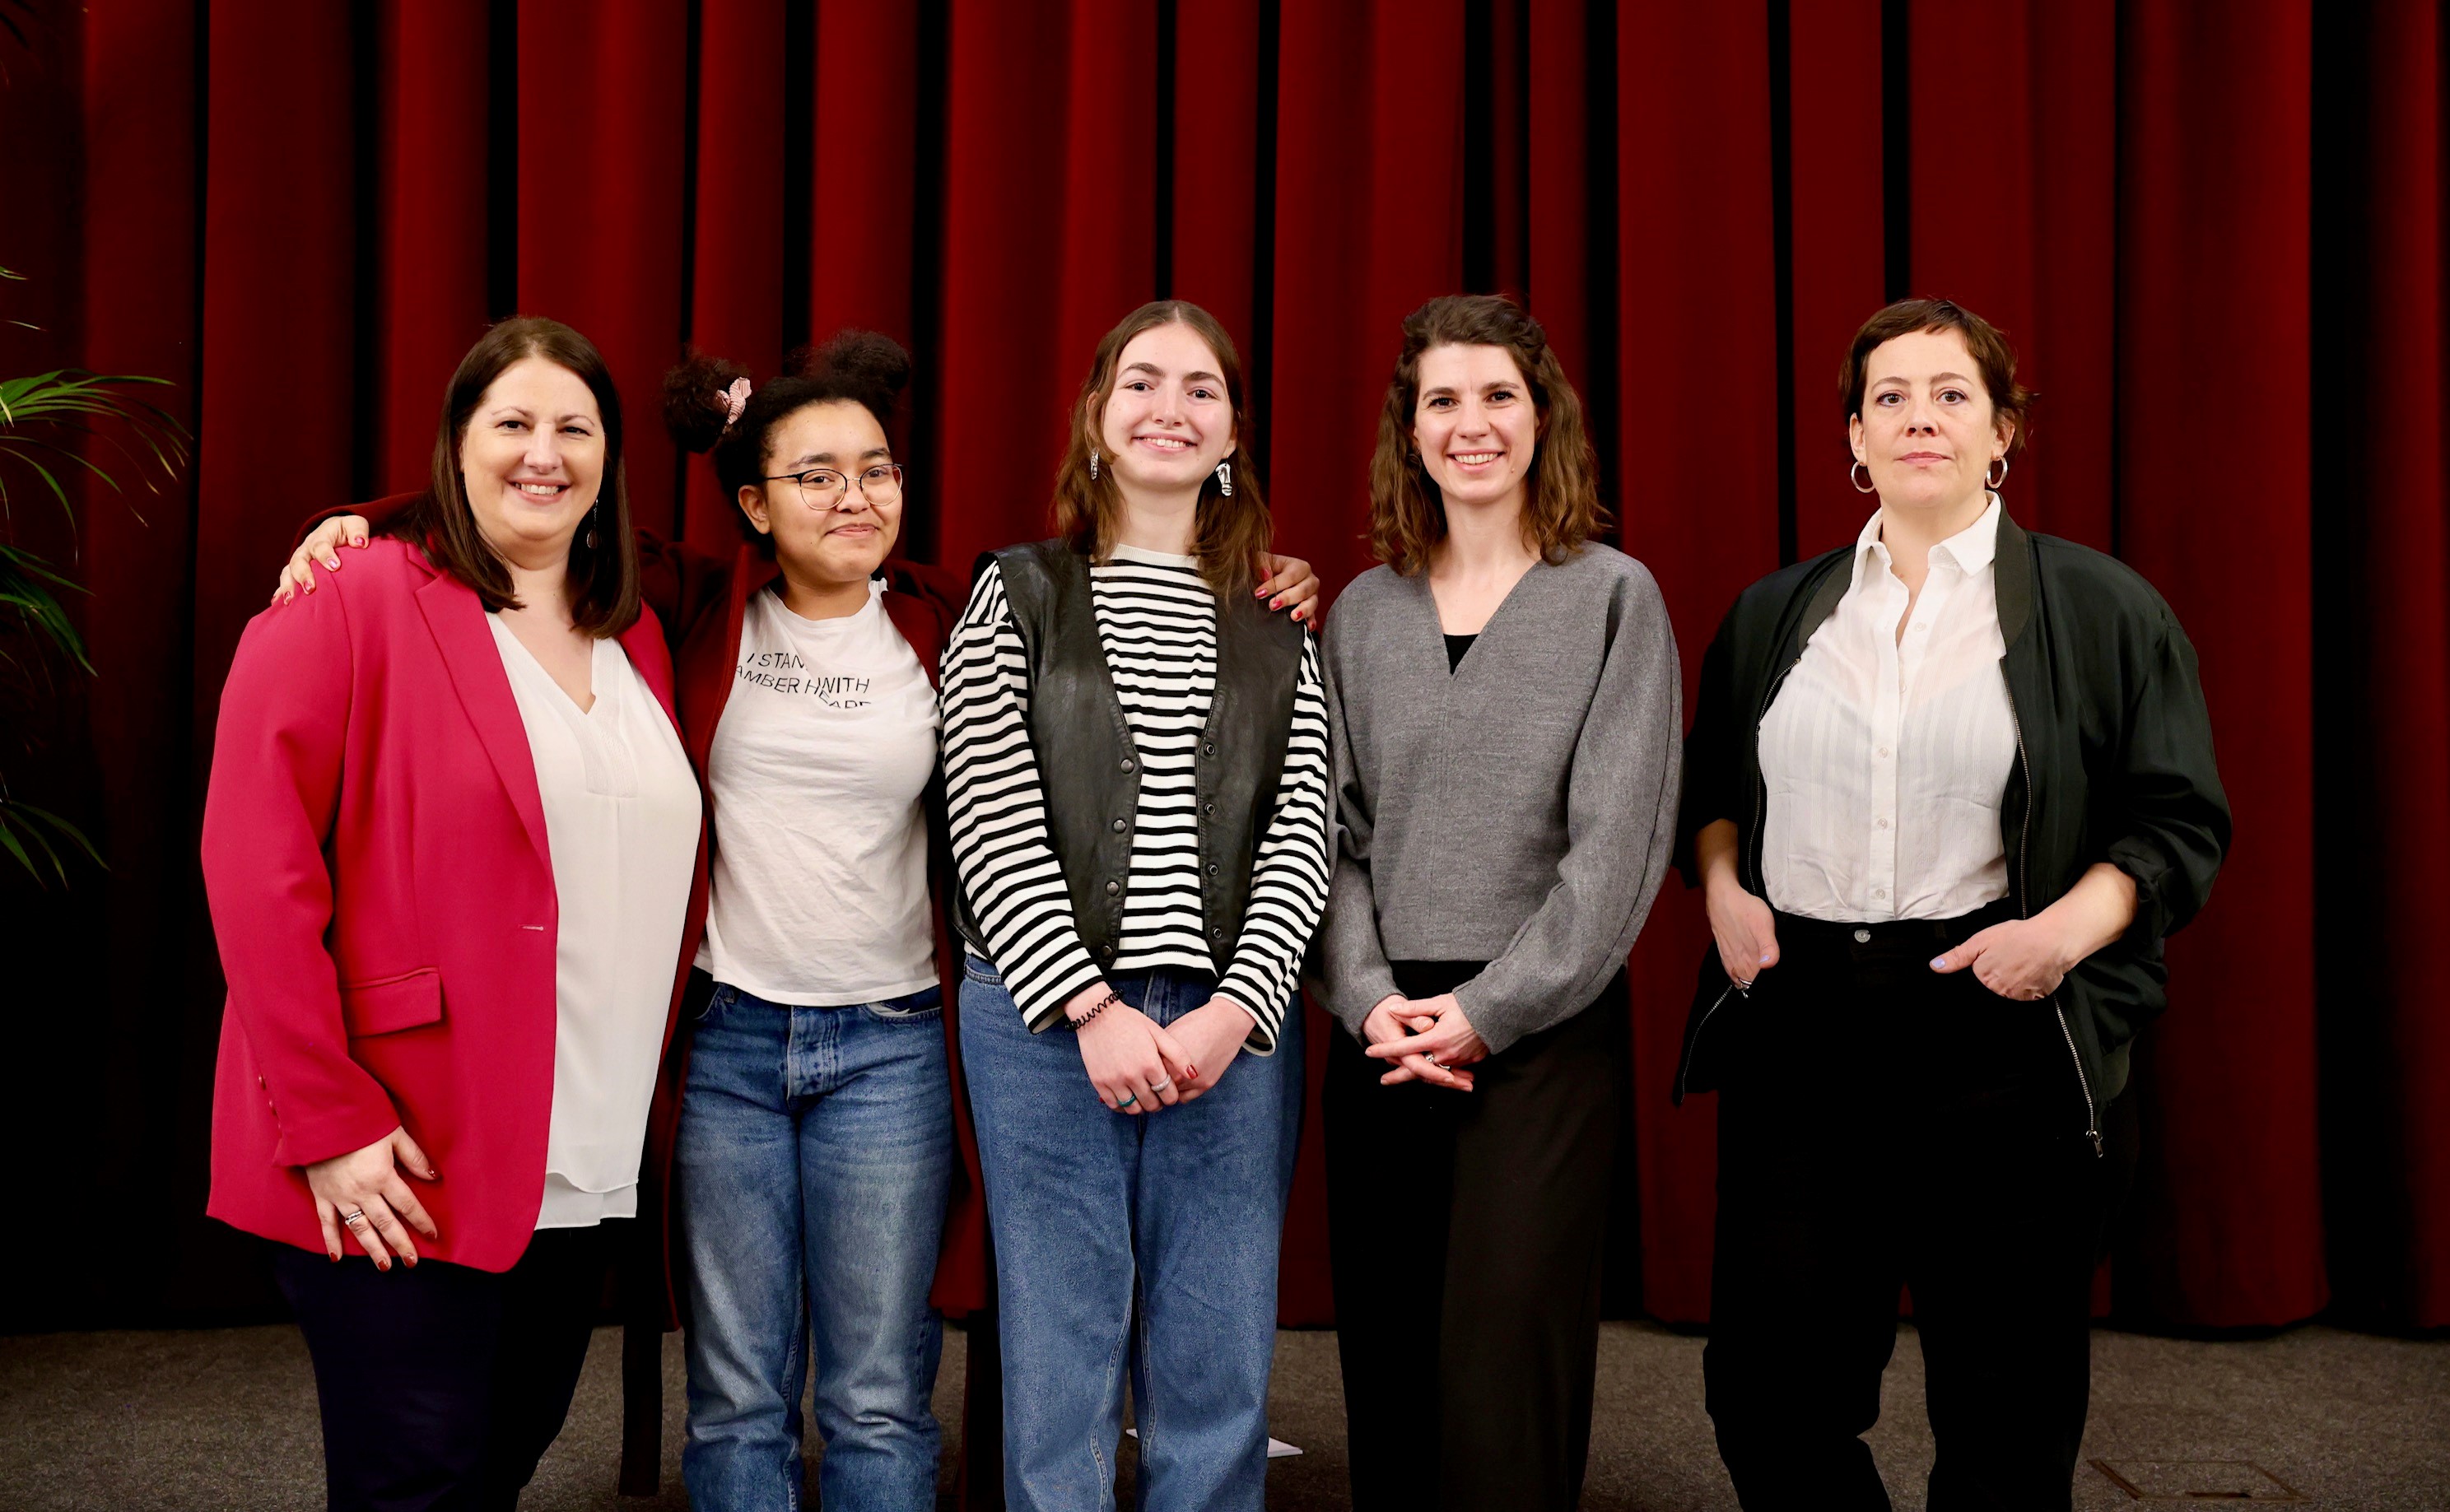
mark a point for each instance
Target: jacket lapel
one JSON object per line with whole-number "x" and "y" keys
{"x": 458, "y": 621}
{"x": 643, "y": 642}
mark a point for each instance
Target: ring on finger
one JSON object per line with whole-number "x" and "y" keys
{"x": 1129, "y": 1099}
{"x": 354, "y": 1217}
{"x": 1160, "y": 1086}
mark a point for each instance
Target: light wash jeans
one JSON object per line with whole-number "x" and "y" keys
{"x": 814, "y": 1154}
{"x": 1179, "y": 1209}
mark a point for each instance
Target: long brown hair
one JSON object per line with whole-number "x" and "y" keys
{"x": 603, "y": 577}
{"x": 1228, "y": 533}
{"x": 1562, "y": 510}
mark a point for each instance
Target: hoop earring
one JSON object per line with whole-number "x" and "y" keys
{"x": 1093, "y": 464}
{"x": 1225, "y": 478}
{"x": 1866, "y": 472}
{"x": 1987, "y": 481}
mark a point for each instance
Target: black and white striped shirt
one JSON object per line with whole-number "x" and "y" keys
{"x": 1156, "y": 619}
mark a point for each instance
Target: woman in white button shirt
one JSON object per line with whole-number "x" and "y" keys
{"x": 1946, "y": 791}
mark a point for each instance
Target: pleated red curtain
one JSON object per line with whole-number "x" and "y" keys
{"x": 2214, "y": 234}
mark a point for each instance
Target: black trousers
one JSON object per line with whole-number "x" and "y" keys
{"x": 443, "y": 1387}
{"x": 1882, "y": 1126}
{"x": 1464, "y": 1233}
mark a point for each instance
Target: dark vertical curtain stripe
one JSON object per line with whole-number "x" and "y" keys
{"x": 1698, "y": 429}
{"x": 431, "y": 83}
{"x": 736, "y": 231}
{"x": 2213, "y": 466}
{"x": 302, "y": 213}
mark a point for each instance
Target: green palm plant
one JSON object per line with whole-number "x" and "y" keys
{"x": 43, "y": 420}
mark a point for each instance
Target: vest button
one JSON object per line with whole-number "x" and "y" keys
{"x": 1217, "y": 933}
{"x": 1212, "y": 868}
{"x": 1105, "y": 951}
{"x": 1126, "y": 763}
{"x": 1208, "y": 809}
{"x": 1207, "y": 747}
{"x": 1121, "y": 826}
{"x": 1113, "y": 888}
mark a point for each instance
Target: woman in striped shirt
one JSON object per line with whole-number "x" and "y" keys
{"x": 1137, "y": 770}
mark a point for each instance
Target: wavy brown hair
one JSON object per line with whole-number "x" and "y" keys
{"x": 604, "y": 578}
{"x": 1562, "y": 509}
{"x": 1228, "y": 533}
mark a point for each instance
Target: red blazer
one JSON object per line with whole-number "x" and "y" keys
{"x": 375, "y": 858}
{"x": 705, "y": 600}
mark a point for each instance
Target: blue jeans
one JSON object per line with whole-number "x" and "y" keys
{"x": 811, "y": 1166}
{"x": 1180, "y": 1208}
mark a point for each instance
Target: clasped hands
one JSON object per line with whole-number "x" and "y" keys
{"x": 1427, "y": 1039}
{"x": 1138, "y": 1065}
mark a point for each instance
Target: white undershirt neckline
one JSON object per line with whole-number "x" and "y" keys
{"x": 621, "y": 816}
{"x": 1886, "y": 757}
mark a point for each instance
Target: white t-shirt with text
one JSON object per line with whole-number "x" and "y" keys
{"x": 817, "y": 770}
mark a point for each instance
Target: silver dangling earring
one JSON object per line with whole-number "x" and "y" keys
{"x": 1093, "y": 464}
{"x": 1866, "y": 472}
{"x": 1987, "y": 481}
{"x": 1225, "y": 478}
{"x": 592, "y": 516}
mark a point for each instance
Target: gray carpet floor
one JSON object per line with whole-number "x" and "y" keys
{"x": 2315, "y": 1417}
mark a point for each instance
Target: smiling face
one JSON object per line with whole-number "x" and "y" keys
{"x": 1927, "y": 429}
{"x": 835, "y": 546}
{"x": 532, "y": 460}
{"x": 1169, "y": 420}
{"x": 1475, "y": 424}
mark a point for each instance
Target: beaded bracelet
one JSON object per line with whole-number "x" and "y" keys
{"x": 1095, "y": 1009}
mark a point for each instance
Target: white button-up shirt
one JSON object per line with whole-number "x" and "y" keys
{"x": 1886, "y": 755}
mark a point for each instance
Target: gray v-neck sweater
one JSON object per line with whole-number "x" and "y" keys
{"x": 1520, "y": 810}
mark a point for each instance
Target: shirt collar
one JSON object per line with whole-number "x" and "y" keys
{"x": 1972, "y": 549}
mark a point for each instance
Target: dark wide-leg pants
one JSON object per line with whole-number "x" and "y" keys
{"x": 441, "y": 1386}
{"x": 1465, "y": 1232}
{"x": 1883, "y": 1126}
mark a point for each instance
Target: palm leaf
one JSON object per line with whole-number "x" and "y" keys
{"x": 65, "y": 400}
{"x": 26, "y": 585}
{"x": 27, "y": 832}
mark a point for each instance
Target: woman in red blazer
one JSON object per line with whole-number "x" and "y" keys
{"x": 449, "y": 889}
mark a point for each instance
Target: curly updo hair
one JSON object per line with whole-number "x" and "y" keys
{"x": 860, "y": 367}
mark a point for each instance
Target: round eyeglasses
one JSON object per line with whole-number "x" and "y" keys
{"x": 824, "y": 488}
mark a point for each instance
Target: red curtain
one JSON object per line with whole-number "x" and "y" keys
{"x": 2214, "y": 233}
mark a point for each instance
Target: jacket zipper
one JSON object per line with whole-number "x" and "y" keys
{"x": 1760, "y": 806}
{"x": 1760, "y": 783}
{"x": 2024, "y": 904}
{"x": 1693, "y": 1041}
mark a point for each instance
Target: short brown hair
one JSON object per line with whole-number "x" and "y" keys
{"x": 603, "y": 577}
{"x": 2009, "y": 399}
{"x": 1229, "y": 532}
{"x": 1408, "y": 514}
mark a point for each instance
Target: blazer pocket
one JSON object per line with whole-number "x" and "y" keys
{"x": 389, "y": 1004}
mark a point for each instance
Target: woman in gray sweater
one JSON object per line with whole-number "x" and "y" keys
{"x": 1503, "y": 695}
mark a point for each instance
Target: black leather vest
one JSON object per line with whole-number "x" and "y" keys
{"x": 1091, "y": 770}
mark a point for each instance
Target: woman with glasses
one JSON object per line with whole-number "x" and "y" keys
{"x": 815, "y": 1172}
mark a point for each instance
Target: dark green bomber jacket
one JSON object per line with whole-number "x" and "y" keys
{"x": 2114, "y": 762}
